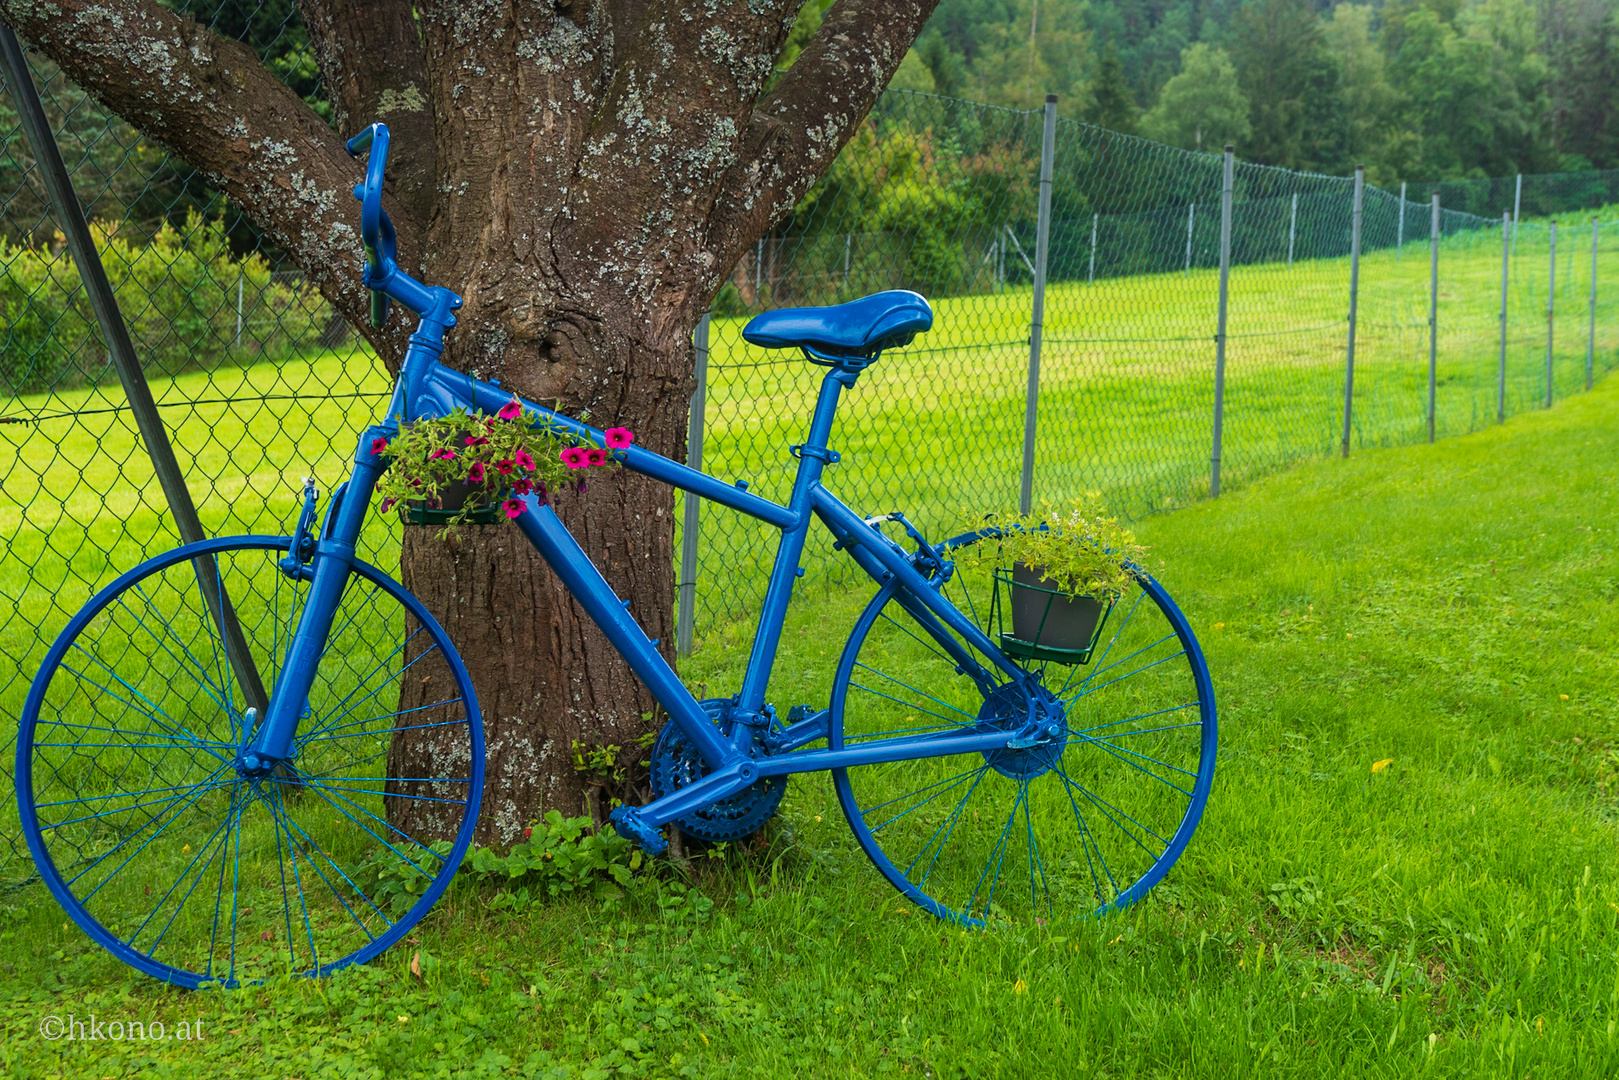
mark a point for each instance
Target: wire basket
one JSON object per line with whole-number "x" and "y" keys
{"x": 1047, "y": 623}
{"x": 451, "y": 500}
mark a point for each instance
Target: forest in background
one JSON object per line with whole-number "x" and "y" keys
{"x": 1413, "y": 89}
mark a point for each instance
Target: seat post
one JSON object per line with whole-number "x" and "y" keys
{"x": 813, "y": 458}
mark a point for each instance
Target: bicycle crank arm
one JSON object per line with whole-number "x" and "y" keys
{"x": 642, "y": 824}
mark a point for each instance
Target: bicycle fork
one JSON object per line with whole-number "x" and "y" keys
{"x": 271, "y": 744}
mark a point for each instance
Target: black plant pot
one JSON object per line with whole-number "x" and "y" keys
{"x": 452, "y": 497}
{"x": 1047, "y": 623}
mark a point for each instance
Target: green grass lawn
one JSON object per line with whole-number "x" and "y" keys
{"x": 1407, "y": 866}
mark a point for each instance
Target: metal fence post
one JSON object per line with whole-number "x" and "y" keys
{"x": 691, "y": 520}
{"x": 1517, "y": 212}
{"x": 1399, "y": 229}
{"x": 1591, "y": 341}
{"x": 1507, "y": 230}
{"x": 1433, "y": 313}
{"x": 1292, "y": 228}
{"x": 1090, "y": 275}
{"x": 1551, "y": 305}
{"x": 1220, "y": 334}
{"x": 1037, "y": 312}
{"x": 121, "y": 350}
{"x": 1354, "y": 300}
{"x": 1191, "y": 216}
{"x": 239, "y": 275}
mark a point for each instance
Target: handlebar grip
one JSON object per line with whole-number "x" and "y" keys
{"x": 376, "y": 229}
{"x": 362, "y": 142}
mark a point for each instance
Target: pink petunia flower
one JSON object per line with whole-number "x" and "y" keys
{"x": 505, "y": 466}
{"x": 378, "y": 445}
{"x": 443, "y": 453}
{"x": 575, "y": 457}
{"x": 387, "y": 505}
{"x": 476, "y": 440}
{"x": 619, "y": 437}
{"x": 476, "y": 474}
{"x": 511, "y": 410}
{"x": 523, "y": 486}
{"x": 524, "y": 459}
{"x": 596, "y": 456}
{"x": 513, "y": 507}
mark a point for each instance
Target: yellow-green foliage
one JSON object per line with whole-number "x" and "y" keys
{"x": 1078, "y": 548}
{"x": 178, "y": 295}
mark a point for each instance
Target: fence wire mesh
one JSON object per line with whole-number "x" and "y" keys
{"x": 941, "y": 196}
{"x": 259, "y": 385}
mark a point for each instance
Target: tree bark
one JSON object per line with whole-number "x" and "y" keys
{"x": 584, "y": 173}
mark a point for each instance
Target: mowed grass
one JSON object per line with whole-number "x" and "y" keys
{"x": 934, "y": 430}
{"x": 1126, "y": 401}
{"x": 1407, "y": 867}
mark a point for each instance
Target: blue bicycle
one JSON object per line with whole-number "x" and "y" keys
{"x": 213, "y": 783}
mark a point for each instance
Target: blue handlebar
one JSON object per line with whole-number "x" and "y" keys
{"x": 376, "y": 228}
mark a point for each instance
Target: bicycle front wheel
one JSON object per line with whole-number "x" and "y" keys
{"x": 195, "y": 871}
{"x": 1086, "y": 818}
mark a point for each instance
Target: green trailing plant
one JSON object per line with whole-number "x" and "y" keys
{"x": 557, "y": 856}
{"x": 487, "y": 460}
{"x": 1079, "y": 549}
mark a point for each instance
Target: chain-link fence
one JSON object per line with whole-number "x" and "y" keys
{"x": 259, "y": 386}
{"x": 942, "y": 196}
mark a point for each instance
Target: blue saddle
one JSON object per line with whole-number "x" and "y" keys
{"x": 860, "y": 328}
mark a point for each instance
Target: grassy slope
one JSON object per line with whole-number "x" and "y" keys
{"x": 1455, "y": 913}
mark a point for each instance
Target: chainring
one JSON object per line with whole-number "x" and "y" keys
{"x": 676, "y": 763}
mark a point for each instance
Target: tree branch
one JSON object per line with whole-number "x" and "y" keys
{"x": 814, "y": 108}
{"x": 370, "y": 57}
{"x": 212, "y": 103}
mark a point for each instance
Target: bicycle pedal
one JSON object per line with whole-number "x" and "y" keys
{"x": 627, "y": 820}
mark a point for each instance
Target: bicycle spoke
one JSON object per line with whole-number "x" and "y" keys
{"x": 949, "y": 784}
{"x": 955, "y": 815}
{"x": 1133, "y": 719}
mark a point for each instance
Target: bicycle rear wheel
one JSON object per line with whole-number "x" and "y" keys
{"x": 188, "y": 869}
{"x": 1086, "y": 820}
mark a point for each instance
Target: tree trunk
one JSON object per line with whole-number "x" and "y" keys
{"x": 584, "y": 173}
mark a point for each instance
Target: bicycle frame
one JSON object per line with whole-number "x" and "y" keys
{"x": 425, "y": 388}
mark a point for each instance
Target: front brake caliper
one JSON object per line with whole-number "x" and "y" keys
{"x": 295, "y": 564}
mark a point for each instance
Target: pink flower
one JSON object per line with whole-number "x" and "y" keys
{"x": 387, "y": 505}
{"x": 513, "y": 507}
{"x": 476, "y": 440}
{"x": 596, "y": 456}
{"x": 575, "y": 457}
{"x": 619, "y": 437}
{"x": 523, "y": 486}
{"x": 511, "y": 410}
{"x": 443, "y": 453}
{"x": 476, "y": 474}
{"x": 504, "y": 466}
{"x": 524, "y": 459}
{"x": 378, "y": 445}
{"x": 489, "y": 423}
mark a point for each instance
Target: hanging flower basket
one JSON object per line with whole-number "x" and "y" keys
{"x": 1057, "y": 576}
{"x": 473, "y": 469}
